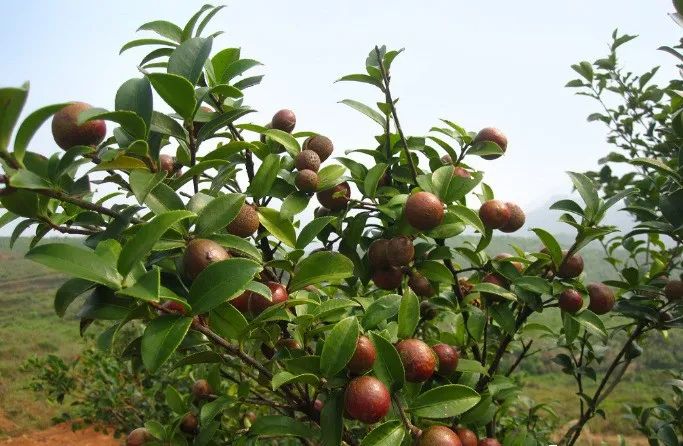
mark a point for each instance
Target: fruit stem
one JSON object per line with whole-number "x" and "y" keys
{"x": 414, "y": 430}
{"x": 61, "y": 196}
{"x": 397, "y": 123}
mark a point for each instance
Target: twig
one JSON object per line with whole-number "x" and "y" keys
{"x": 414, "y": 430}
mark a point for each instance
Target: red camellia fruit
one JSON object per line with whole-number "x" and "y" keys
{"x": 258, "y": 304}
{"x": 418, "y": 359}
{"x": 424, "y": 211}
{"x": 138, "y": 437}
{"x": 489, "y": 442}
{"x": 461, "y": 172}
{"x": 448, "y": 359}
{"x": 201, "y": 389}
{"x": 467, "y": 437}
{"x": 492, "y": 134}
{"x": 284, "y": 120}
{"x": 570, "y": 301}
{"x": 67, "y": 133}
{"x": 241, "y": 302}
{"x": 363, "y": 357}
{"x": 439, "y": 436}
{"x": 516, "y": 220}
{"x": 601, "y": 298}
{"x": 572, "y": 267}
{"x": 175, "y": 307}
{"x": 674, "y": 290}
{"x": 367, "y": 399}
{"x": 388, "y": 279}
{"x": 377, "y": 254}
{"x": 495, "y": 214}
{"x": 167, "y": 164}
{"x": 335, "y": 198}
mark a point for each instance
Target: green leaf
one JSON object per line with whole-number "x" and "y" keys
{"x": 672, "y": 207}
{"x": 294, "y": 204}
{"x": 444, "y": 402}
{"x": 128, "y": 120}
{"x": 382, "y": 309}
{"x": 68, "y": 292}
{"x": 372, "y": 179}
{"x": 222, "y": 120}
{"x": 205, "y": 21}
{"x": 490, "y": 288}
{"x": 174, "y": 400}
{"x": 11, "y": 103}
{"x": 163, "y": 199}
{"x": 436, "y": 271}
{"x": 332, "y": 419}
{"x": 319, "y": 267}
{"x": 166, "y": 125}
{"x": 136, "y": 95}
{"x": 78, "y": 262}
{"x": 311, "y": 230}
{"x": 280, "y": 426}
{"x": 188, "y": 59}
{"x": 388, "y": 366}
{"x": 363, "y": 78}
{"x": 408, "y": 314}
{"x": 289, "y": 142}
{"x": 390, "y": 433}
{"x": 237, "y": 68}
{"x": 25, "y": 179}
{"x": 147, "y": 287}
{"x": 586, "y": 188}
{"x": 554, "y": 249}
{"x": 468, "y": 216}
{"x": 265, "y": 176}
{"x": 227, "y": 321}
{"x": 283, "y": 378}
{"x": 121, "y": 163}
{"x": 163, "y": 28}
{"x": 367, "y": 111}
{"x": 29, "y": 127}
{"x": 329, "y": 176}
{"x": 657, "y": 165}
{"x": 220, "y": 282}
{"x": 161, "y": 338}
{"x": 189, "y": 26}
{"x": 592, "y": 322}
{"x": 143, "y": 182}
{"x": 340, "y": 344}
{"x": 237, "y": 243}
{"x": 441, "y": 181}
{"x": 144, "y": 42}
{"x": 218, "y": 213}
{"x": 176, "y": 91}
{"x": 136, "y": 249}
{"x": 471, "y": 366}
{"x": 280, "y": 227}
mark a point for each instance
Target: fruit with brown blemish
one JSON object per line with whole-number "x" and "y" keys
{"x": 570, "y": 301}
{"x": 199, "y": 254}
{"x": 335, "y": 198}
{"x": 400, "y": 251}
{"x": 448, "y": 359}
{"x": 322, "y": 145}
{"x": 516, "y": 220}
{"x": 439, "y": 436}
{"x": 284, "y": 120}
{"x": 246, "y": 222}
{"x": 388, "y": 279}
{"x": 306, "y": 180}
{"x": 307, "y": 160}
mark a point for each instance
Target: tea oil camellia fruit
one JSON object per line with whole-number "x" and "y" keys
{"x": 424, "y": 211}
{"x": 363, "y": 357}
{"x": 241, "y": 302}
{"x": 307, "y": 160}
{"x": 306, "y": 180}
{"x": 448, "y": 359}
{"x": 571, "y": 267}
{"x": 284, "y": 120}
{"x": 388, "y": 279}
{"x": 516, "y": 220}
{"x": 258, "y": 304}
{"x": 138, "y": 437}
{"x": 67, "y": 133}
{"x": 400, "y": 251}
{"x": 335, "y": 198}
{"x": 189, "y": 423}
{"x": 201, "y": 253}
{"x": 674, "y": 290}
{"x": 439, "y": 436}
{"x": 495, "y": 214}
{"x": 322, "y": 145}
{"x": 167, "y": 164}
{"x": 418, "y": 359}
{"x": 601, "y": 298}
{"x": 420, "y": 285}
{"x": 245, "y": 223}
{"x": 492, "y": 134}
{"x": 570, "y": 301}
{"x": 489, "y": 442}
{"x": 467, "y": 437}
{"x": 367, "y": 399}
{"x": 201, "y": 389}
{"x": 461, "y": 172}
{"x": 378, "y": 255}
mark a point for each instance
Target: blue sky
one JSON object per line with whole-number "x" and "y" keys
{"x": 480, "y": 63}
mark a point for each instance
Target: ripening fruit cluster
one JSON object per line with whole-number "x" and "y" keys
{"x": 504, "y": 216}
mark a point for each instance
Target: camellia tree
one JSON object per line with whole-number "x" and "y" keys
{"x": 376, "y": 322}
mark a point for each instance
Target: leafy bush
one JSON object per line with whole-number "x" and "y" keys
{"x": 359, "y": 326}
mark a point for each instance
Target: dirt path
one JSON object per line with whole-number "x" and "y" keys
{"x": 61, "y": 435}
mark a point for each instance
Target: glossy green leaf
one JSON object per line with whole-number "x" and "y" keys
{"x": 188, "y": 59}
{"x": 29, "y": 127}
{"x": 147, "y": 287}
{"x": 311, "y": 230}
{"x": 68, "y": 292}
{"x": 128, "y": 120}
{"x": 143, "y": 42}
{"x": 218, "y": 213}
{"x": 176, "y": 91}
{"x": 331, "y": 419}
{"x": 227, "y": 321}
{"x": 281, "y": 426}
{"x": 11, "y": 102}
{"x": 136, "y": 249}
{"x": 382, "y": 309}
{"x": 143, "y": 182}
{"x": 265, "y": 176}
{"x": 319, "y": 267}
{"x": 444, "y": 402}
{"x": 289, "y": 142}
{"x": 136, "y": 95}
{"x": 390, "y": 433}
{"x": 163, "y": 28}
{"x": 220, "y": 282}
{"x": 367, "y": 111}
{"x": 283, "y": 378}
{"x": 161, "y": 338}
{"x": 388, "y": 366}
{"x": 76, "y": 261}
{"x": 468, "y": 216}
{"x": 329, "y": 176}
{"x": 372, "y": 179}
{"x": 340, "y": 344}
{"x": 280, "y": 227}
{"x": 408, "y": 314}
